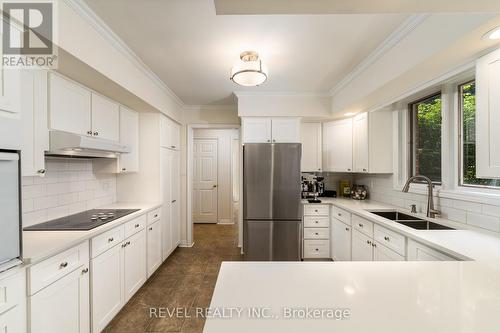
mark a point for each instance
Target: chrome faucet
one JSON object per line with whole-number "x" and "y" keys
{"x": 431, "y": 212}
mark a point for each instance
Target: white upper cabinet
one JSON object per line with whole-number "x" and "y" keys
{"x": 337, "y": 146}
{"x": 170, "y": 133}
{"x": 69, "y": 105}
{"x": 488, "y": 116}
{"x": 312, "y": 157}
{"x": 129, "y": 135}
{"x": 256, "y": 130}
{"x": 267, "y": 130}
{"x": 285, "y": 130}
{"x": 360, "y": 142}
{"x": 105, "y": 118}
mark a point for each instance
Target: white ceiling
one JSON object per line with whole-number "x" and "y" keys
{"x": 192, "y": 49}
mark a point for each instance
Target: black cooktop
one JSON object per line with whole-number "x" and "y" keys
{"x": 86, "y": 220}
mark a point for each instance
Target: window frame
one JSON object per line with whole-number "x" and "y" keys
{"x": 460, "y": 142}
{"x": 411, "y": 167}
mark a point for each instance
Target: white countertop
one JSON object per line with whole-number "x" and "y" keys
{"x": 388, "y": 297}
{"x": 465, "y": 244}
{"x": 39, "y": 245}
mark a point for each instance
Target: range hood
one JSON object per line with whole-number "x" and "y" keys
{"x": 70, "y": 144}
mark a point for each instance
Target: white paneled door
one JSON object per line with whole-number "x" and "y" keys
{"x": 205, "y": 181}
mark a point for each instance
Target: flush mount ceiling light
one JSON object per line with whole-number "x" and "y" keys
{"x": 492, "y": 34}
{"x": 250, "y": 71}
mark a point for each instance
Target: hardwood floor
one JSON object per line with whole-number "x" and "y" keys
{"x": 185, "y": 281}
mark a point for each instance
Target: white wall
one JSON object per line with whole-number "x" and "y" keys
{"x": 283, "y": 105}
{"x": 69, "y": 187}
{"x": 224, "y": 168}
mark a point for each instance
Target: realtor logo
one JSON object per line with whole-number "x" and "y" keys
{"x": 28, "y": 34}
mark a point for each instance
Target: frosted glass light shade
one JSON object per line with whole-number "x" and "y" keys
{"x": 249, "y": 73}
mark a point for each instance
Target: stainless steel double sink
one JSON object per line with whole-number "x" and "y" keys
{"x": 410, "y": 221}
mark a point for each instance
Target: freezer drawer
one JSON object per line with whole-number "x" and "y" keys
{"x": 272, "y": 240}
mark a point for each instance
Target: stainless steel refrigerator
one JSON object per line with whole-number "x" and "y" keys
{"x": 272, "y": 211}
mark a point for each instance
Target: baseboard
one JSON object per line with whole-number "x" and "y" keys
{"x": 186, "y": 244}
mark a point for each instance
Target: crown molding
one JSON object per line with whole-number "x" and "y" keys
{"x": 222, "y": 107}
{"x": 394, "y": 38}
{"x": 85, "y": 12}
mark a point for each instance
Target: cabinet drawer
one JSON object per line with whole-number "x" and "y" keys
{"x": 362, "y": 225}
{"x": 154, "y": 215}
{"x": 316, "y": 233}
{"x": 316, "y": 221}
{"x": 50, "y": 270}
{"x": 107, "y": 240}
{"x": 341, "y": 215}
{"x": 12, "y": 290}
{"x": 316, "y": 249}
{"x": 390, "y": 239}
{"x": 135, "y": 225}
{"x": 316, "y": 210}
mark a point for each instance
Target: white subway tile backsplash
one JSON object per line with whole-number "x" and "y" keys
{"x": 482, "y": 221}
{"x": 467, "y": 205}
{"x": 454, "y": 214}
{"x": 69, "y": 187}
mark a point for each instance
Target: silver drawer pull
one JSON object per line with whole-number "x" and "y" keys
{"x": 150, "y": 228}
{"x": 316, "y": 250}
{"x": 137, "y": 225}
{"x": 387, "y": 238}
{"x": 63, "y": 265}
{"x": 368, "y": 242}
{"x": 316, "y": 233}
{"x": 85, "y": 270}
{"x": 156, "y": 215}
{"x": 361, "y": 225}
{"x": 110, "y": 239}
{"x": 374, "y": 245}
{"x": 315, "y": 210}
{"x": 339, "y": 214}
{"x": 346, "y": 229}
{"x": 316, "y": 222}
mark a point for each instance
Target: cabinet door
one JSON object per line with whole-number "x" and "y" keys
{"x": 256, "y": 130}
{"x": 134, "y": 263}
{"x": 154, "y": 247}
{"x": 340, "y": 241}
{"x": 311, "y": 147}
{"x": 62, "y": 306}
{"x": 165, "y": 132}
{"x": 13, "y": 321}
{"x": 285, "y": 130}
{"x": 69, "y": 106}
{"x": 34, "y": 122}
{"x": 105, "y": 118}
{"x": 107, "y": 287}
{"x": 129, "y": 135}
{"x": 420, "y": 252}
{"x": 337, "y": 146}
{"x": 362, "y": 249}
{"x": 175, "y": 198}
{"x": 382, "y": 253}
{"x": 175, "y": 136}
{"x": 166, "y": 189}
{"x": 360, "y": 143}
{"x": 488, "y": 116}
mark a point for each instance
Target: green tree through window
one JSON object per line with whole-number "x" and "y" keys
{"x": 426, "y": 137}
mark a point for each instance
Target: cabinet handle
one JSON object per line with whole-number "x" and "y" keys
{"x": 41, "y": 171}
{"x": 316, "y": 234}
{"x": 274, "y": 140}
{"x": 110, "y": 239}
{"x": 387, "y": 238}
{"x": 89, "y": 132}
{"x": 360, "y": 225}
{"x": 315, "y": 210}
{"x": 268, "y": 140}
{"x": 346, "y": 229}
{"x": 125, "y": 244}
{"x": 374, "y": 245}
{"x": 174, "y": 201}
{"x": 156, "y": 215}
{"x": 63, "y": 265}
{"x": 339, "y": 214}
{"x": 137, "y": 225}
{"x": 348, "y": 169}
{"x": 173, "y": 147}
{"x": 368, "y": 242}
{"x": 364, "y": 169}
{"x": 96, "y": 133}
{"x": 124, "y": 169}
{"x": 150, "y": 228}
{"x": 85, "y": 270}
{"x": 316, "y": 250}
{"x": 319, "y": 169}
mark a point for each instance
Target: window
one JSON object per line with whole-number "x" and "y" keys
{"x": 425, "y": 139}
{"x": 467, "y": 95}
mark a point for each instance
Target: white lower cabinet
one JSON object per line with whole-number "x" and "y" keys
{"x": 382, "y": 253}
{"x": 154, "y": 251}
{"x": 420, "y": 252}
{"x": 13, "y": 320}
{"x": 134, "y": 263}
{"x": 107, "y": 287}
{"x": 117, "y": 274}
{"x": 340, "y": 241}
{"x": 316, "y": 232}
{"x": 62, "y": 307}
{"x": 13, "y": 301}
{"x": 362, "y": 249}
